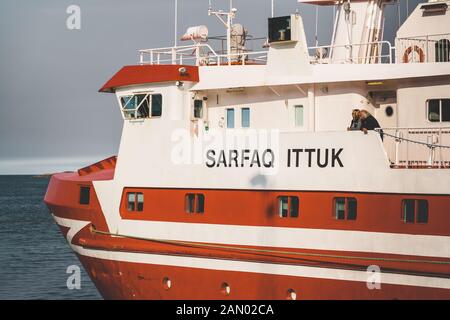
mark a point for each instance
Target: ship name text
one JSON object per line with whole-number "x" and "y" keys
{"x": 321, "y": 158}
{"x": 296, "y": 158}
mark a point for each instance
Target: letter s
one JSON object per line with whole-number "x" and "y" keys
{"x": 210, "y": 156}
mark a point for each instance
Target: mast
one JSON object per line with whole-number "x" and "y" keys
{"x": 227, "y": 19}
{"x": 176, "y": 24}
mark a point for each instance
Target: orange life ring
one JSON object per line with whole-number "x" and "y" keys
{"x": 416, "y": 49}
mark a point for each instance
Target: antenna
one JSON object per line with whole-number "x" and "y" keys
{"x": 231, "y": 10}
{"x": 227, "y": 19}
{"x": 176, "y": 24}
{"x": 317, "y": 25}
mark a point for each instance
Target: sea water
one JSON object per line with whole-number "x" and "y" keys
{"x": 34, "y": 256}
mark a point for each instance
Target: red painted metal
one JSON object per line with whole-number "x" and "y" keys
{"x": 260, "y": 208}
{"x": 108, "y": 163}
{"x": 144, "y": 74}
{"x": 126, "y": 280}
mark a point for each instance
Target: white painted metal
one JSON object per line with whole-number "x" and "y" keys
{"x": 169, "y": 152}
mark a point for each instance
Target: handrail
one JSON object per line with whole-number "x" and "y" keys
{"x": 429, "y": 145}
{"x": 415, "y": 128}
{"x": 424, "y": 36}
{"x": 380, "y": 56}
{"x": 409, "y": 150}
{"x": 180, "y": 53}
{"x": 423, "y": 48}
{"x": 384, "y": 54}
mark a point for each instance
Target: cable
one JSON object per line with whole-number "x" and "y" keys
{"x": 430, "y": 145}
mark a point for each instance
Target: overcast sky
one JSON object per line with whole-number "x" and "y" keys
{"x": 51, "y": 115}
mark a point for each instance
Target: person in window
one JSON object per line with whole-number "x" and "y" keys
{"x": 368, "y": 122}
{"x": 356, "y": 121}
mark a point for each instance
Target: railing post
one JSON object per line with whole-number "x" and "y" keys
{"x": 141, "y": 57}
{"x": 430, "y": 146}
{"x": 440, "y": 149}
{"x": 407, "y": 148}
{"x": 197, "y": 55}
{"x": 397, "y": 147}
{"x": 174, "y": 56}
{"x": 151, "y": 56}
{"x": 380, "y": 52}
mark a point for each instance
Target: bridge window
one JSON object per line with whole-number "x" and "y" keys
{"x": 135, "y": 201}
{"x": 156, "y": 105}
{"x": 230, "y": 118}
{"x": 139, "y": 106}
{"x": 345, "y": 208}
{"x": 438, "y": 110}
{"x": 288, "y": 207}
{"x": 245, "y": 117}
{"x": 198, "y": 109}
{"x": 298, "y": 116}
{"x": 195, "y": 203}
{"x": 85, "y": 195}
{"x": 415, "y": 211}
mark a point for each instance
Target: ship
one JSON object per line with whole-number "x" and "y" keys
{"x": 238, "y": 175}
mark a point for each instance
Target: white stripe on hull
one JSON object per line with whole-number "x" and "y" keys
{"x": 317, "y": 239}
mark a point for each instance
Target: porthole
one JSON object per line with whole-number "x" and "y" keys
{"x": 167, "y": 283}
{"x": 225, "y": 289}
{"x": 291, "y": 295}
{"x": 389, "y": 111}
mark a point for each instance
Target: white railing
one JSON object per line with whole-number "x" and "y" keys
{"x": 199, "y": 54}
{"x": 359, "y": 53}
{"x": 418, "y": 147}
{"x": 203, "y": 54}
{"x": 429, "y": 48}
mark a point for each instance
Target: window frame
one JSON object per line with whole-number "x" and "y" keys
{"x": 242, "y": 117}
{"x": 136, "y": 207}
{"x": 227, "y": 118}
{"x": 442, "y": 54}
{"x": 416, "y": 211}
{"x": 404, "y": 214}
{"x": 289, "y": 213}
{"x": 148, "y": 96}
{"x": 419, "y": 201}
{"x": 440, "y": 110}
{"x": 195, "y": 209}
{"x": 151, "y": 116}
{"x": 347, "y": 201}
{"x": 195, "y": 108}
{"x": 80, "y": 194}
{"x": 302, "y": 107}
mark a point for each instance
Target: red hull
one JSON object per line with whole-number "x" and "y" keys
{"x": 114, "y": 263}
{"x": 124, "y": 280}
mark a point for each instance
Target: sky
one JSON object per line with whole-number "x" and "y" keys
{"x": 52, "y": 117}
